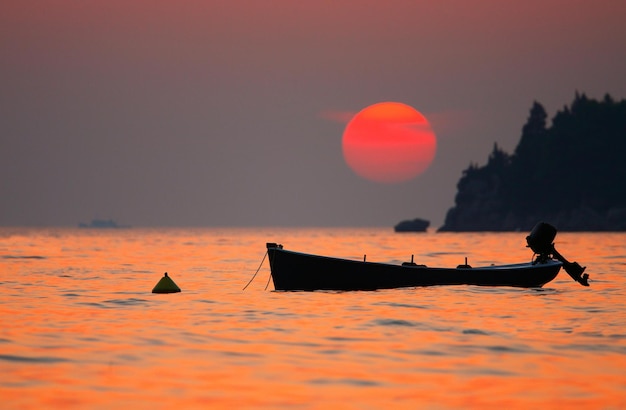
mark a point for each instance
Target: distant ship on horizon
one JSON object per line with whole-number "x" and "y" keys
{"x": 101, "y": 223}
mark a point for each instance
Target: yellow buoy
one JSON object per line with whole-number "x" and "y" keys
{"x": 166, "y": 285}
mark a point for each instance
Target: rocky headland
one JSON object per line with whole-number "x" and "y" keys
{"x": 412, "y": 225}
{"x": 571, "y": 174}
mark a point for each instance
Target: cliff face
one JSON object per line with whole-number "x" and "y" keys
{"x": 571, "y": 174}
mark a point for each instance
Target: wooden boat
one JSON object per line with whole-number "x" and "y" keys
{"x": 300, "y": 271}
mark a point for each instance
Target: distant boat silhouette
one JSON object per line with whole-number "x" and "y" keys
{"x": 101, "y": 223}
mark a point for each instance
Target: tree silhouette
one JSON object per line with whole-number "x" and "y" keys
{"x": 572, "y": 173}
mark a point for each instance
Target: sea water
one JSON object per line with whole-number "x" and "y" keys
{"x": 80, "y": 327}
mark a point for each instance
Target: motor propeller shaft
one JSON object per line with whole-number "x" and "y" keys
{"x": 572, "y": 268}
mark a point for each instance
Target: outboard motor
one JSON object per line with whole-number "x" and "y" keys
{"x": 541, "y": 241}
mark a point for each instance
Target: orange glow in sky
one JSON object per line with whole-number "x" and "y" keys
{"x": 389, "y": 142}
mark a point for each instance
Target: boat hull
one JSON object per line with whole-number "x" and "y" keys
{"x": 300, "y": 271}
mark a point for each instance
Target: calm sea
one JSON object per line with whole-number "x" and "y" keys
{"x": 80, "y": 327}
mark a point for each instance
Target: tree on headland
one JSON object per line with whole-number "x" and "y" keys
{"x": 571, "y": 174}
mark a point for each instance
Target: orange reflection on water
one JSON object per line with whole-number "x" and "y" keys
{"x": 81, "y": 328}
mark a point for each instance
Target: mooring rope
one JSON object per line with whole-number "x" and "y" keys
{"x": 257, "y": 271}
{"x": 268, "y": 280}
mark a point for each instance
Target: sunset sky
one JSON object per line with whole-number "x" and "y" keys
{"x": 231, "y": 113}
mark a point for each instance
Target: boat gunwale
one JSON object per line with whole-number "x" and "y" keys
{"x": 521, "y": 265}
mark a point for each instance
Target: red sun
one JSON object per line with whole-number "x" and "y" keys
{"x": 389, "y": 142}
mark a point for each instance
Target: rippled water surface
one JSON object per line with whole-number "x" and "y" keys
{"x": 81, "y": 328}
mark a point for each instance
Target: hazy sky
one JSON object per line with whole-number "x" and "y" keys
{"x": 229, "y": 113}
